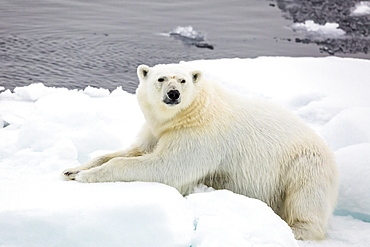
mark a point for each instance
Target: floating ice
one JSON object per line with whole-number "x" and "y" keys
{"x": 188, "y": 32}
{"x": 190, "y": 37}
{"x": 329, "y": 30}
{"x": 361, "y": 9}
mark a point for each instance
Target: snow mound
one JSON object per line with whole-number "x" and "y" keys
{"x": 96, "y": 92}
{"x": 354, "y": 164}
{"x": 349, "y": 127}
{"x": 227, "y": 219}
{"x": 35, "y": 91}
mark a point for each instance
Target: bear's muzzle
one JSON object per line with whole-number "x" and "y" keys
{"x": 172, "y": 97}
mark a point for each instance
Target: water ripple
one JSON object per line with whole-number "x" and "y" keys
{"x": 76, "y": 63}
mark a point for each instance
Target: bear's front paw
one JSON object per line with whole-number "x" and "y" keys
{"x": 86, "y": 177}
{"x": 70, "y": 174}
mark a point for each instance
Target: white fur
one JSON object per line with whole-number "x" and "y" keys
{"x": 225, "y": 141}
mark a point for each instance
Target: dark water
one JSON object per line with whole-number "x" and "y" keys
{"x": 76, "y": 43}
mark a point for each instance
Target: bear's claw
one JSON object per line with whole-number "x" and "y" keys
{"x": 70, "y": 175}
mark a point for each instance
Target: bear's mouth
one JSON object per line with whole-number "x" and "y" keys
{"x": 171, "y": 102}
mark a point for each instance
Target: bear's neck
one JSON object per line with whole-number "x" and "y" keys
{"x": 197, "y": 115}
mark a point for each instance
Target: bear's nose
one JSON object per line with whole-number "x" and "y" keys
{"x": 173, "y": 94}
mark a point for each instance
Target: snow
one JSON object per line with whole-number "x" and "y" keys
{"x": 329, "y": 30}
{"x": 217, "y": 222}
{"x": 45, "y": 130}
{"x": 361, "y": 9}
{"x": 353, "y": 162}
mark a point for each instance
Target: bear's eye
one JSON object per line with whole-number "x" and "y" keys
{"x": 182, "y": 81}
{"x": 161, "y": 79}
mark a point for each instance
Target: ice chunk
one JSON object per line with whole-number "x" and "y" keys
{"x": 96, "y": 92}
{"x": 133, "y": 214}
{"x": 35, "y": 91}
{"x": 190, "y": 37}
{"x": 329, "y": 30}
{"x": 361, "y": 9}
{"x": 188, "y": 32}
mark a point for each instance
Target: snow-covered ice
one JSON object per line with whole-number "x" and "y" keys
{"x": 45, "y": 130}
{"x": 217, "y": 224}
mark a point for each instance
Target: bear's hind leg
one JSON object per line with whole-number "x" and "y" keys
{"x": 310, "y": 197}
{"x": 307, "y": 214}
{"x": 307, "y": 231}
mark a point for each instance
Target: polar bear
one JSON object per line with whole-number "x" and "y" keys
{"x": 198, "y": 132}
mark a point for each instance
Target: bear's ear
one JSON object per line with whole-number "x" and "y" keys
{"x": 197, "y": 76}
{"x": 142, "y": 71}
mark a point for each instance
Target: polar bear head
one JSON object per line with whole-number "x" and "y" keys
{"x": 166, "y": 89}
